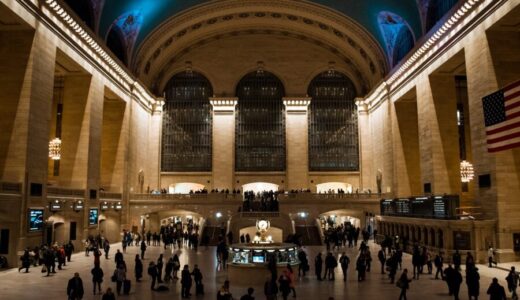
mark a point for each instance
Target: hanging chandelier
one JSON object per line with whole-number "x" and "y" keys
{"x": 55, "y": 149}
{"x": 466, "y": 171}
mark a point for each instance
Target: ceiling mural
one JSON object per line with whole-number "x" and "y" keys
{"x": 365, "y": 12}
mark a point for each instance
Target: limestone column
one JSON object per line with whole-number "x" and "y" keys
{"x": 154, "y": 145}
{"x": 297, "y": 141}
{"x": 365, "y": 149}
{"x": 223, "y": 156}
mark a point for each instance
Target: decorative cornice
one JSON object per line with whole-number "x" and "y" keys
{"x": 223, "y": 105}
{"x": 157, "y": 107}
{"x": 83, "y": 38}
{"x": 296, "y": 104}
{"x": 362, "y": 106}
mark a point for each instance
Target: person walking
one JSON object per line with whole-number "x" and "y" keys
{"x": 292, "y": 283}
{"x": 106, "y": 248}
{"x": 197, "y": 278}
{"x": 512, "y": 283}
{"x": 457, "y": 260}
{"x": 138, "y": 268}
{"x": 344, "y": 261}
{"x": 26, "y": 261}
{"x": 270, "y": 288}
{"x": 97, "y": 278}
{"x": 496, "y": 291}
{"x": 318, "y": 265}
{"x": 381, "y": 255}
{"x": 448, "y": 276}
{"x": 303, "y": 267}
{"x": 439, "y": 261}
{"x": 109, "y": 295}
{"x": 152, "y": 271}
{"x": 75, "y": 288}
{"x": 224, "y": 293}
{"x": 186, "y": 282}
{"x": 491, "y": 257}
{"x": 176, "y": 266}
{"x": 404, "y": 284}
{"x": 143, "y": 249}
{"x": 473, "y": 283}
{"x": 361, "y": 267}
{"x": 285, "y": 288}
{"x": 456, "y": 281}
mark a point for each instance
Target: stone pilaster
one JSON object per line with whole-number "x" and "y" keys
{"x": 223, "y": 142}
{"x": 297, "y": 141}
{"x": 365, "y": 149}
{"x": 154, "y": 145}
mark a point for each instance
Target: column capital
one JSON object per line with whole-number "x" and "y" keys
{"x": 223, "y": 104}
{"x": 362, "y": 105}
{"x": 296, "y": 104}
{"x": 157, "y": 106}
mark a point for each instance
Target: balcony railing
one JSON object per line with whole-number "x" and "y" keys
{"x": 56, "y": 191}
{"x": 110, "y": 196}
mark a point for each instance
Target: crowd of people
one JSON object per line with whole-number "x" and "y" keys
{"x": 260, "y": 201}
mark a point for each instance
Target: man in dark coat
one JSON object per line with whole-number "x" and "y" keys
{"x": 75, "y": 288}
{"x": 330, "y": 265}
{"x": 318, "y": 265}
{"x": 472, "y": 281}
{"x": 448, "y": 276}
{"x": 382, "y": 259}
{"x": 152, "y": 271}
{"x": 186, "y": 282}
{"x": 496, "y": 291}
{"x": 456, "y": 280}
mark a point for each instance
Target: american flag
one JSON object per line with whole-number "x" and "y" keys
{"x": 502, "y": 118}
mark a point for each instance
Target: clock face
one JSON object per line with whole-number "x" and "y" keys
{"x": 262, "y": 225}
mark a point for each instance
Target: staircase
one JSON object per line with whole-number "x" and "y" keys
{"x": 310, "y": 235}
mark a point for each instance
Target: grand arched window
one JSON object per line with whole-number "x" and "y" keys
{"x": 397, "y": 34}
{"x": 333, "y": 124}
{"x": 260, "y": 123}
{"x": 187, "y": 124}
{"x": 116, "y": 43}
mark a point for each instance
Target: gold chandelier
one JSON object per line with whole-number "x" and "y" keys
{"x": 466, "y": 171}
{"x": 55, "y": 149}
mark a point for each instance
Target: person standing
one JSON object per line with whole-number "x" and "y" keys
{"x": 159, "y": 266}
{"x": 106, "y": 247}
{"x": 176, "y": 266}
{"x": 344, "y": 261}
{"x": 404, "y": 284}
{"x": 330, "y": 265}
{"x": 118, "y": 257}
{"x": 97, "y": 278}
{"x": 457, "y": 260}
{"x": 271, "y": 288}
{"x": 152, "y": 271}
{"x": 69, "y": 249}
{"x": 75, "y": 288}
{"x": 496, "y": 291}
{"x": 512, "y": 283}
{"x": 120, "y": 277}
{"x": 143, "y": 249}
{"x": 303, "y": 267}
{"x": 381, "y": 255}
{"x": 448, "y": 276}
{"x": 361, "y": 267}
{"x": 186, "y": 282}
{"x": 473, "y": 283}
{"x": 290, "y": 274}
{"x": 138, "y": 268}
{"x": 318, "y": 265}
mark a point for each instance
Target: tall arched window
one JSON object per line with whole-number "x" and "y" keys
{"x": 403, "y": 44}
{"x": 333, "y": 127}
{"x": 436, "y": 10}
{"x": 187, "y": 124}
{"x": 260, "y": 123}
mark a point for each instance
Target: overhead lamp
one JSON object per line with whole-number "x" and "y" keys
{"x": 467, "y": 173}
{"x": 55, "y": 149}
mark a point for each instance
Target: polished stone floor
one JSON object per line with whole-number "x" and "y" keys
{"x": 34, "y": 285}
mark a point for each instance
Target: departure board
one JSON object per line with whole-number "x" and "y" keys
{"x": 437, "y": 207}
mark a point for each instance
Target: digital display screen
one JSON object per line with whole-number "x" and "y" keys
{"x": 35, "y": 219}
{"x": 93, "y": 216}
{"x": 258, "y": 259}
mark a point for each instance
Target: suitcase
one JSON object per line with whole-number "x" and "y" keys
{"x": 199, "y": 289}
{"x": 127, "y": 285}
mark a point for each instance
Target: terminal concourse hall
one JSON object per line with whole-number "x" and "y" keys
{"x": 317, "y": 149}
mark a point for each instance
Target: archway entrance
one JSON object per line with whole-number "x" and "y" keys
{"x": 259, "y": 187}
{"x": 185, "y": 188}
{"x": 334, "y": 188}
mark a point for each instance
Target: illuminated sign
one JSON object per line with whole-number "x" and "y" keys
{"x": 93, "y": 216}
{"x": 35, "y": 219}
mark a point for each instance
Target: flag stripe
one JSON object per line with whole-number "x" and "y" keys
{"x": 504, "y": 143}
{"x": 513, "y": 85}
{"x": 513, "y": 105}
{"x": 510, "y": 146}
{"x": 504, "y": 138}
{"x": 498, "y": 129}
{"x": 511, "y": 96}
{"x": 513, "y": 115}
{"x": 503, "y": 132}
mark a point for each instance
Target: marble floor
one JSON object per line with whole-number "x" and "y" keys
{"x": 34, "y": 285}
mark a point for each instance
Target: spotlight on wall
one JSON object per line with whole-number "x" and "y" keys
{"x": 302, "y": 214}
{"x": 118, "y": 206}
{"x": 218, "y": 215}
{"x": 78, "y": 206}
